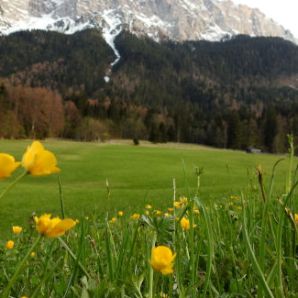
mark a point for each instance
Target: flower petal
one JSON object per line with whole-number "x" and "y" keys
{"x": 60, "y": 228}
{"x": 167, "y": 270}
{"x": 7, "y": 165}
{"x": 45, "y": 164}
{"x": 42, "y": 223}
{"x": 30, "y": 154}
{"x": 162, "y": 259}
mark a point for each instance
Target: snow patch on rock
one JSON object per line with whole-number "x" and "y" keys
{"x": 111, "y": 29}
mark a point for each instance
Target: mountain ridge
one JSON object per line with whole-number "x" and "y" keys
{"x": 232, "y": 94}
{"x": 177, "y": 20}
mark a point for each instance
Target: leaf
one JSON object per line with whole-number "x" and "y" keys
{"x": 85, "y": 286}
{"x": 85, "y": 293}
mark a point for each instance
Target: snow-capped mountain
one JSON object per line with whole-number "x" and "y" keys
{"x": 159, "y": 19}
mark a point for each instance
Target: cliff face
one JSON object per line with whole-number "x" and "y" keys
{"x": 58, "y": 9}
{"x": 159, "y": 19}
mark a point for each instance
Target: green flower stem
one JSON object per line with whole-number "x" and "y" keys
{"x": 291, "y": 157}
{"x": 279, "y": 250}
{"x": 151, "y": 271}
{"x": 252, "y": 255}
{"x": 61, "y": 197}
{"x": 210, "y": 246}
{"x": 174, "y": 199}
{"x": 64, "y": 244}
{"x": 192, "y": 251}
{"x": 10, "y": 186}
{"x": 19, "y": 269}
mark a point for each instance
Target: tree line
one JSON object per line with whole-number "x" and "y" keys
{"x": 231, "y": 94}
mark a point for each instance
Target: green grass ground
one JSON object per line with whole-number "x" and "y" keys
{"x": 137, "y": 175}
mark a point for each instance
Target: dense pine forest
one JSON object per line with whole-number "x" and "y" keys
{"x": 233, "y": 94}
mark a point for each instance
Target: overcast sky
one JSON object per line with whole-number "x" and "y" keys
{"x": 285, "y": 12}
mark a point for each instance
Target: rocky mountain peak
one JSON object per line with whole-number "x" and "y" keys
{"x": 174, "y": 19}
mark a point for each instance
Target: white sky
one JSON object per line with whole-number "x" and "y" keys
{"x": 285, "y": 12}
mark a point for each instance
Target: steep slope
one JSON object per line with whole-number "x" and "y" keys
{"x": 236, "y": 93}
{"x": 159, "y": 19}
{"x": 87, "y": 58}
{"x": 56, "y": 60}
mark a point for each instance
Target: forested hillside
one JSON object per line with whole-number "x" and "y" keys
{"x": 238, "y": 93}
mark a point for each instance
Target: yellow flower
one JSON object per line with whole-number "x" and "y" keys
{"x": 148, "y": 206}
{"x": 196, "y": 211}
{"x": 33, "y": 254}
{"x": 17, "y": 229}
{"x": 162, "y": 259}
{"x": 120, "y": 213}
{"x": 135, "y": 216}
{"x": 157, "y": 212}
{"x": 170, "y": 210}
{"x": 113, "y": 220}
{"x": 147, "y": 212}
{"x": 184, "y": 223}
{"x": 167, "y": 214}
{"x": 177, "y": 204}
{"x": 53, "y": 227}
{"x": 38, "y": 161}
{"x": 24, "y": 297}
{"x": 183, "y": 200}
{"x": 7, "y": 165}
{"x": 9, "y": 244}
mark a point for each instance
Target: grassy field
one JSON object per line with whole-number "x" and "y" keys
{"x": 223, "y": 243}
{"x": 137, "y": 175}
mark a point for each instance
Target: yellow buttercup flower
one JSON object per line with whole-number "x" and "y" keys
{"x": 177, "y": 204}
{"x": 113, "y": 220}
{"x": 135, "y": 216}
{"x": 33, "y": 254}
{"x": 17, "y": 229}
{"x": 170, "y": 210}
{"x": 148, "y": 206}
{"x": 38, "y": 161}
{"x": 53, "y": 227}
{"x": 184, "y": 223}
{"x": 120, "y": 213}
{"x": 183, "y": 200}
{"x": 196, "y": 211}
{"x": 157, "y": 212}
{"x": 7, "y": 165}
{"x": 9, "y": 244}
{"x": 233, "y": 197}
{"x": 162, "y": 259}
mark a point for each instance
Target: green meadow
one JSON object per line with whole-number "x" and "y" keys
{"x": 137, "y": 175}
{"x": 234, "y": 236}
